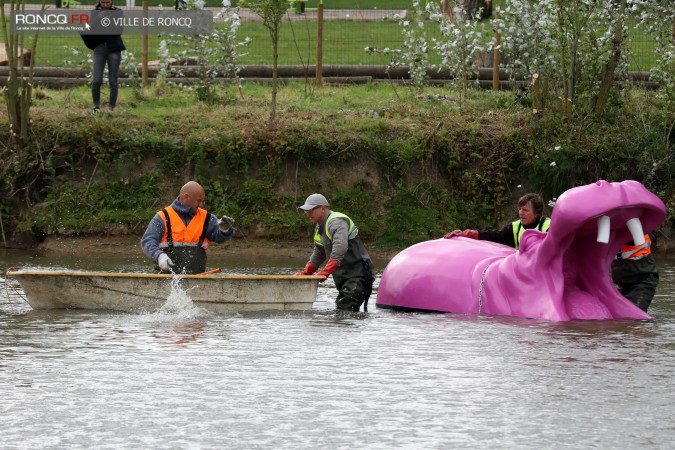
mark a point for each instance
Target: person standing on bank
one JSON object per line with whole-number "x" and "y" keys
{"x": 336, "y": 238}
{"x": 178, "y": 236}
{"x": 107, "y": 50}
{"x": 530, "y": 216}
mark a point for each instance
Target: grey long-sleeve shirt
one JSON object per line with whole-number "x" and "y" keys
{"x": 339, "y": 230}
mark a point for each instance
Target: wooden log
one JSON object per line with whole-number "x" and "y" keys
{"x": 61, "y": 77}
{"x": 4, "y": 60}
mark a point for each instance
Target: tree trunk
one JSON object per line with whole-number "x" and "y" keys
{"x": 275, "y": 73}
{"x": 607, "y": 79}
{"x": 18, "y": 92}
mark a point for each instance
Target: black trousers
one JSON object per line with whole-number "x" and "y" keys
{"x": 353, "y": 293}
{"x": 636, "y": 279}
{"x": 642, "y": 292}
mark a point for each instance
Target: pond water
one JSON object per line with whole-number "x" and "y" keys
{"x": 376, "y": 380}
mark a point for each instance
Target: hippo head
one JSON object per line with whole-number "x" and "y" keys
{"x": 589, "y": 225}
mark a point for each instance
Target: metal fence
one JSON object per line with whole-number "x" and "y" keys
{"x": 346, "y": 34}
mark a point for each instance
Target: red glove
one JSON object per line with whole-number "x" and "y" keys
{"x": 308, "y": 270}
{"x": 329, "y": 268}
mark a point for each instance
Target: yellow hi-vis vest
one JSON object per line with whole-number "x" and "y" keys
{"x": 519, "y": 229}
{"x": 352, "y": 233}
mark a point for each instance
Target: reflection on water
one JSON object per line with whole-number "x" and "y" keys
{"x": 185, "y": 378}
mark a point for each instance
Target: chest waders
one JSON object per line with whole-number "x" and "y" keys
{"x": 354, "y": 278}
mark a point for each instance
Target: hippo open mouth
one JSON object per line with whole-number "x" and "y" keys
{"x": 560, "y": 275}
{"x": 591, "y": 224}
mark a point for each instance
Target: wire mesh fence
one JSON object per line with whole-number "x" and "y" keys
{"x": 346, "y": 34}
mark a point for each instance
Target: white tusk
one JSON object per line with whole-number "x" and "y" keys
{"x": 603, "y": 229}
{"x": 635, "y": 227}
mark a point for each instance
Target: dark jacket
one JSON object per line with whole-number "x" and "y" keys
{"x": 113, "y": 41}
{"x": 505, "y": 234}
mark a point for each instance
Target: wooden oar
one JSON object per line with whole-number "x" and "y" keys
{"x": 209, "y": 272}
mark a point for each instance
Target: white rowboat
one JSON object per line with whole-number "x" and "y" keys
{"x": 138, "y": 292}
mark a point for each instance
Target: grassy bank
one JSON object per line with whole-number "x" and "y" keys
{"x": 405, "y": 165}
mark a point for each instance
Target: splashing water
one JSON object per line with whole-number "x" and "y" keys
{"x": 178, "y": 304}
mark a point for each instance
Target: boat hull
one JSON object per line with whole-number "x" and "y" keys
{"x": 134, "y": 292}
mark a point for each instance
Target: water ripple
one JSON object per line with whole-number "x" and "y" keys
{"x": 185, "y": 378}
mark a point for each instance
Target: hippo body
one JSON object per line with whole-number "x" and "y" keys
{"x": 560, "y": 275}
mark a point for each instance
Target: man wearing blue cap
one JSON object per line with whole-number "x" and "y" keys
{"x": 336, "y": 238}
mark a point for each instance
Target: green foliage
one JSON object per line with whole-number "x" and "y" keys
{"x": 28, "y": 168}
{"x": 396, "y": 156}
{"x": 215, "y": 53}
{"x": 573, "y": 155}
{"x": 409, "y": 220}
{"x": 363, "y": 203}
{"x": 230, "y": 155}
{"x": 481, "y": 165}
{"x": 413, "y": 173}
{"x": 115, "y": 203}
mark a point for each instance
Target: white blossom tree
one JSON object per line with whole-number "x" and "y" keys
{"x": 215, "y": 53}
{"x": 414, "y": 52}
{"x": 657, "y": 17}
{"x": 578, "y": 46}
{"x": 463, "y": 40}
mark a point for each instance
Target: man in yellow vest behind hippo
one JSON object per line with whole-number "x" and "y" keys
{"x": 336, "y": 239}
{"x": 530, "y": 217}
{"x": 178, "y": 236}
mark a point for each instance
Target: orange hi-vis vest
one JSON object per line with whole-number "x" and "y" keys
{"x": 636, "y": 252}
{"x": 192, "y": 235}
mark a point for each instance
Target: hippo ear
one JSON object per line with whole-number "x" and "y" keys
{"x": 530, "y": 239}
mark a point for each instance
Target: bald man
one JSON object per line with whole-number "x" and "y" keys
{"x": 178, "y": 236}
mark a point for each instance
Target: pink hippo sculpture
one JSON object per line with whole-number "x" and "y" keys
{"x": 560, "y": 275}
